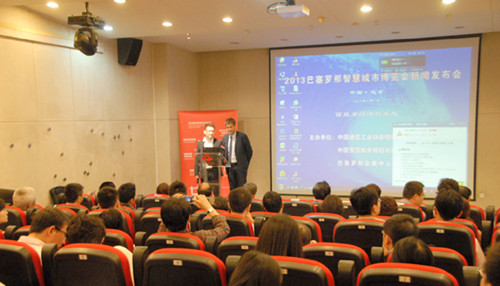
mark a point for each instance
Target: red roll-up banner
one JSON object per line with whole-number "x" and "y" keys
{"x": 191, "y": 126}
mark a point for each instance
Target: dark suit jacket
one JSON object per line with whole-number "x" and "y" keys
{"x": 243, "y": 149}
{"x": 199, "y": 151}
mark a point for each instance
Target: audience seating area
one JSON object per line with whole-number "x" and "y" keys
{"x": 341, "y": 255}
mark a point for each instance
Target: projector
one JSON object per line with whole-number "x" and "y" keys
{"x": 292, "y": 11}
{"x": 86, "y": 20}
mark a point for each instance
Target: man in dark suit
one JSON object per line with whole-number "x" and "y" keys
{"x": 212, "y": 173}
{"x": 238, "y": 153}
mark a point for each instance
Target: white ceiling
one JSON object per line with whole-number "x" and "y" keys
{"x": 253, "y": 27}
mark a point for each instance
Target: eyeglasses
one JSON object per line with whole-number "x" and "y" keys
{"x": 58, "y": 229}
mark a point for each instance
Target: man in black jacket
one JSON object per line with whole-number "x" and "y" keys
{"x": 238, "y": 153}
{"x": 202, "y": 169}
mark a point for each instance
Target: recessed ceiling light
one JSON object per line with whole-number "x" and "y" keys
{"x": 284, "y": 40}
{"x": 52, "y": 4}
{"x": 339, "y": 37}
{"x": 167, "y": 24}
{"x": 395, "y": 32}
{"x": 227, "y": 20}
{"x": 459, "y": 27}
{"x": 108, "y": 28}
{"x": 234, "y": 43}
{"x": 448, "y": 1}
{"x": 188, "y": 36}
{"x": 120, "y": 1}
{"x": 366, "y": 8}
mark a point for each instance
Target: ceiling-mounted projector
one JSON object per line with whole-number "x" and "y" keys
{"x": 292, "y": 11}
{"x": 288, "y": 9}
{"x": 86, "y": 38}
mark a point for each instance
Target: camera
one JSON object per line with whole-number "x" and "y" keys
{"x": 189, "y": 199}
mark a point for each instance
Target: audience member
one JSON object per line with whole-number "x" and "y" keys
{"x": 272, "y": 202}
{"x": 73, "y": 193}
{"x": 162, "y": 189}
{"x": 465, "y": 192}
{"x": 91, "y": 229}
{"x": 126, "y": 193}
{"x": 240, "y": 200}
{"x": 4, "y": 216}
{"x": 48, "y": 225}
{"x": 365, "y": 202}
{"x": 177, "y": 189}
{"x": 175, "y": 213}
{"x": 252, "y": 188}
{"x": 448, "y": 183}
{"x": 305, "y": 234}
{"x": 107, "y": 184}
{"x": 321, "y": 190}
{"x": 376, "y": 188}
{"x": 395, "y": 228}
{"x": 447, "y": 207}
{"x": 491, "y": 275}
{"x": 388, "y": 206}
{"x": 412, "y": 250}
{"x": 413, "y": 193}
{"x": 24, "y": 198}
{"x": 332, "y": 204}
{"x": 280, "y": 236}
{"x": 206, "y": 189}
{"x": 221, "y": 203}
{"x": 256, "y": 269}
{"x": 107, "y": 197}
{"x": 112, "y": 218}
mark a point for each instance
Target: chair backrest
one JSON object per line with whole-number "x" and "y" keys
{"x": 173, "y": 240}
{"x": 16, "y": 216}
{"x": 327, "y": 222}
{"x": 312, "y": 225}
{"x": 153, "y": 201}
{"x": 348, "y": 210}
{"x": 477, "y": 215}
{"x": 129, "y": 211}
{"x": 88, "y": 201}
{"x": 127, "y": 222}
{"x": 150, "y": 222}
{"x": 329, "y": 253}
{"x": 180, "y": 266}
{"x": 75, "y": 207}
{"x": 302, "y": 271}
{"x": 236, "y": 245}
{"x": 19, "y": 264}
{"x": 450, "y": 235}
{"x": 91, "y": 264}
{"x": 257, "y": 206}
{"x": 259, "y": 218}
{"x": 451, "y": 261}
{"x": 118, "y": 237}
{"x": 196, "y": 219}
{"x": 6, "y": 195}
{"x": 23, "y": 230}
{"x": 55, "y": 193}
{"x": 239, "y": 225}
{"x": 412, "y": 210}
{"x": 404, "y": 273}
{"x": 296, "y": 207}
{"x": 468, "y": 224}
{"x": 364, "y": 233}
{"x": 496, "y": 236}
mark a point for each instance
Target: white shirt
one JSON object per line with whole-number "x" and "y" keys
{"x": 35, "y": 243}
{"x": 208, "y": 144}
{"x": 129, "y": 256}
{"x": 232, "y": 143}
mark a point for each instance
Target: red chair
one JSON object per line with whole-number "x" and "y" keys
{"x": 404, "y": 273}
{"x": 20, "y": 264}
{"x": 312, "y": 225}
{"x": 239, "y": 225}
{"x": 180, "y": 266}
{"x": 153, "y": 200}
{"x": 327, "y": 222}
{"x": 88, "y": 201}
{"x": 75, "y": 207}
{"x": 127, "y": 223}
{"x": 173, "y": 240}
{"x": 118, "y": 237}
{"x": 257, "y": 206}
{"x": 412, "y": 210}
{"x": 364, "y": 233}
{"x": 91, "y": 264}
{"x": 16, "y": 217}
{"x": 259, "y": 218}
{"x": 295, "y": 207}
{"x": 236, "y": 245}
{"x": 302, "y": 271}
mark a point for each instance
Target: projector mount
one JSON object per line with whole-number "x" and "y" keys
{"x": 86, "y": 19}
{"x": 287, "y": 9}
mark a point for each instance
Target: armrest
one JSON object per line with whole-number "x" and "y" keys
{"x": 377, "y": 254}
{"x": 48, "y": 251}
{"x": 231, "y": 263}
{"x": 140, "y": 238}
{"x": 9, "y": 231}
{"x": 139, "y": 258}
{"x": 346, "y": 273}
{"x": 472, "y": 277}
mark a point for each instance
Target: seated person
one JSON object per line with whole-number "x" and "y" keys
{"x": 412, "y": 250}
{"x": 491, "y": 275}
{"x": 465, "y": 192}
{"x": 332, "y": 204}
{"x": 175, "y": 213}
{"x": 48, "y": 225}
{"x": 257, "y": 269}
{"x": 321, "y": 190}
{"x": 397, "y": 227}
{"x": 112, "y": 218}
{"x": 448, "y": 205}
{"x": 107, "y": 184}
{"x": 73, "y": 193}
{"x": 240, "y": 200}
{"x": 177, "y": 189}
{"x": 376, "y": 188}
{"x": 24, "y": 198}
{"x": 221, "y": 203}
{"x": 162, "y": 189}
{"x": 305, "y": 234}
{"x": 91, "y": 229}
{"x": 448, "y": 184}
{"x": 4, "y": 216}
{"x": 280, "y": 236}
{"x": 388, "y": 206}
{"x": 206, "y": 189}
{"x": 272, "y": 202}
{"x": 366, "y": 203}
{"x": 252, "y": 188}
{"x": 126, "y": 194}
{"x": 413, "y": 193}
{"x": 107, "y": 197}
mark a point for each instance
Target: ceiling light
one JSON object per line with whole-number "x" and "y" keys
{"x": 120, "y": 1}
{"x": 52, "y": 4}
{"x": 448, "y": 1}
{"x": 167, "y": 24}
{"x": 227, "y": 20}
{"x": 188, "y": 36}
{"x": 366, "y": 8}
{"x": 108, "y": 28}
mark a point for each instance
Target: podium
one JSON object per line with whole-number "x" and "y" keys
{"x": 211, "y": 161}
